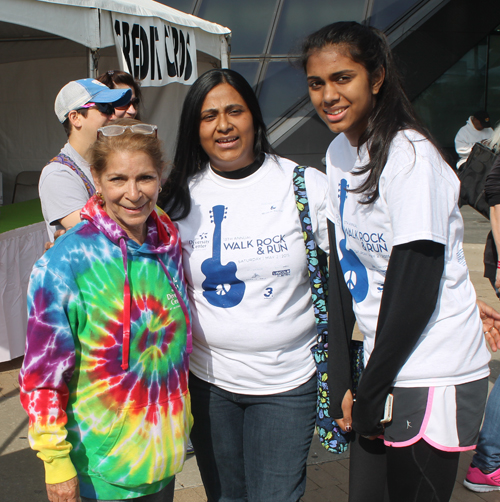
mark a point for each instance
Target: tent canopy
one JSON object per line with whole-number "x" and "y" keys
{"x": 46, "y": 43}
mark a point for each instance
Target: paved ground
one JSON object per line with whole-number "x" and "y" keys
{"x": 21, "y": 473}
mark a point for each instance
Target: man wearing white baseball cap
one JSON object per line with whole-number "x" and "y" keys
{"x": 66, "y": 183}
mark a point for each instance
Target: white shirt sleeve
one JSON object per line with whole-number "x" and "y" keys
{"x": 419, "y": 196}
{"x": 61, "y": 192}
{"x": 317, "y": 193}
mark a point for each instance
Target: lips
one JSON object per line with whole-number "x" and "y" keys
{"x": 134, "y": 209}
{"x": 336, "y": 115}
{"x": 227, "y": 142}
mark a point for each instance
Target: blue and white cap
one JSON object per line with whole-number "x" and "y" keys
{"x": 77, "y": 93}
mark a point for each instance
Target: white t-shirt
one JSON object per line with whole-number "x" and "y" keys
{"x": 467, "y": 137}
{"x": 418, "y": 201}
{"x": 61, "y": 190}
{"x": 252, "y": 332}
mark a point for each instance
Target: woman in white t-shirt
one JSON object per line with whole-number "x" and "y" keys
{"x": 398, "y": 234}
{"x": 252, "y": 380}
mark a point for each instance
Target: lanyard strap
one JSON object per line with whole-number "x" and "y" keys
{"x": 68, "y": 161}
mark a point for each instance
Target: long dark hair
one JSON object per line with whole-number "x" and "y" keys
{"x": 392, "y": 112}
{"x": 189, "y": 156}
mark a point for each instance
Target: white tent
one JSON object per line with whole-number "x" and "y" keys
{"x": 46, "y": 43}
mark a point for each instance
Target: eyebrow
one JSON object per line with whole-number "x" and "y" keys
{"x": 333, "y": 75}
{"x": 228, "y": 107}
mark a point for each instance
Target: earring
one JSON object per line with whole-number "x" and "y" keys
{"x": 100, "y": 199}
{"x": 160, "y": 189}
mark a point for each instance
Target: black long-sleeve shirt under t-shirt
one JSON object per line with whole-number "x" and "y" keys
{"x": 410, "y": 295}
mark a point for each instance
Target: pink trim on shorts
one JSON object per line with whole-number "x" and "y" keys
{"x": 421, "y": 435}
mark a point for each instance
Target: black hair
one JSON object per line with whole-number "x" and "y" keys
{"x": 189, "y": 156}
{"x": 68, "y": 127}
{"x": 392, "y": 112}
{"x": 115, "y": 77}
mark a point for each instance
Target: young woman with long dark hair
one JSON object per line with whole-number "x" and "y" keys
{"x": 401, "y": 271}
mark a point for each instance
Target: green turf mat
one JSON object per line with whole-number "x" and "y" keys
{"x": 20, "y": 214}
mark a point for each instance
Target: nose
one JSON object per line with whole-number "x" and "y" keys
{"x": 133, "y": 191}
{"x": 131, "y": 110}
{"x": 223, "y": 124}
{"x": 330, "y": 94}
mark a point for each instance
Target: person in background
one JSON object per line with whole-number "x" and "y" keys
{"x": 117, "y": 79}
{"x": 82, "y": 106}
{"x": 476, "y": 130}
{"x": 483, "y": 474}
{"x": 253, "y": 377}
{"x": 397, "y": 258}
{"x": 494, "y": 141}
{"x": 105, "y": 376}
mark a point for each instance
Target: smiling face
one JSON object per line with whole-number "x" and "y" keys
{"x": 341, "y": 91}
{"x": 129, "y": 186}
{"x": 226, "y": 129}
{"x": 127, "y": 111}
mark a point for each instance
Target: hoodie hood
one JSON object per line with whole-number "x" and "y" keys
{"x": 161, "y": 238}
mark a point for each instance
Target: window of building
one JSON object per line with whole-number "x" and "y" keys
{"x": 282, "y": 87}
{"x": 385, "y": 12}
{"x": 249, "y": 21}
{"x": 298, "y": 18}
{"x": 455, "y": 96}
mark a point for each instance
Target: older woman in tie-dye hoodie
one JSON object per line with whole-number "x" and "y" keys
{"x": 105, "y": 377}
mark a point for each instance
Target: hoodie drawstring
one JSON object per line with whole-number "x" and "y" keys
{"x": 126, "y": 307}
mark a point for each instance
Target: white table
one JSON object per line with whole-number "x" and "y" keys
{"x": 19, "y": 250}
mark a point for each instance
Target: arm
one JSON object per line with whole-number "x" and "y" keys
{"x": 67, "y": 491}
{"x": 399, "y": 327}
{"x": 317, "y": 193}
{"x": 341, "y": 322}
{"x": 463, "y": 146}
{"x": 71, "y": 220}
{"x": 48, "y": 366}
{"x": 491, "y": 324}
{"x": 62, "y": 195}
{"x": 495, "y": 228}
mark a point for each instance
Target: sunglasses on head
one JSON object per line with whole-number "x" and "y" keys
{"x": 117, "y": 130}
{"x": 106, "y": 108}
{"x": 134, "y": 102}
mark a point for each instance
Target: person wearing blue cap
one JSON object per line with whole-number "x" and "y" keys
{"x": 66, "y": 184}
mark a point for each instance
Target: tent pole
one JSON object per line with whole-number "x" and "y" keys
{"x": 93, "y": 59}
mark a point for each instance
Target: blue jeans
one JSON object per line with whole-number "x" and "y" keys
{"x": 252, "y": 448}
{"x": 165, "y": 495}
{"x": 487, "y": 457}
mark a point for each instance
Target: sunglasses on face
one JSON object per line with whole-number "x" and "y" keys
{"x": 134, "y": 102}
{"x": 106, "y": 108}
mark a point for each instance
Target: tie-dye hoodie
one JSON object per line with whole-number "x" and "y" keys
{"x": 118, "y": 418}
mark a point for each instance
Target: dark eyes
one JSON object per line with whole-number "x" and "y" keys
{"x": 212, "y": 116}
{"x": 315, "y": 84}
{"x": 146, "y": 177}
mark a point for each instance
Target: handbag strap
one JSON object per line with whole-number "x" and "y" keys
{"x": 68, "y": 161}
{"x": 317, "y": 266}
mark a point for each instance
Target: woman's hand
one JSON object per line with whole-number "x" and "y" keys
{"x": 497, "y": 279}
{"x": 345, "y": 423}
{"x": 67, "y": 491}
{"x": 491, "y": 324}
{"x": 58, "y": 233}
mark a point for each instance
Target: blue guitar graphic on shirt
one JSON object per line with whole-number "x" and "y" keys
{"x": 221, "y": 287}
{"x": 355, "y": 274}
